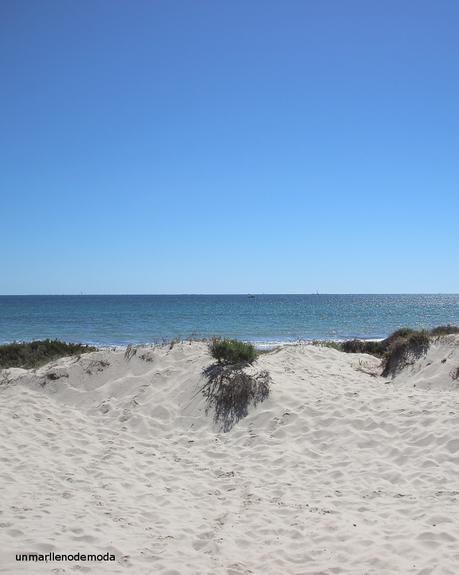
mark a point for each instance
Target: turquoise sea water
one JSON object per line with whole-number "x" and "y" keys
{"x": 125, "y": 319}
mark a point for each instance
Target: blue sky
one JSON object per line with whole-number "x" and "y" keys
{"x": 229, "y": 147}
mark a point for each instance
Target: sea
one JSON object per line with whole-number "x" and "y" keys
{"x": 266, "y": 320}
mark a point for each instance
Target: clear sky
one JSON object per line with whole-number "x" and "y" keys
{"x": 229, "y": 147}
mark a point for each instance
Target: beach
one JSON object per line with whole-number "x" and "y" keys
{"x": 229, "y": 291}
{"x": 339, "y": 470}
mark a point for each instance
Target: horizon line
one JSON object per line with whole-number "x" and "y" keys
{"x": 82, "y": 294}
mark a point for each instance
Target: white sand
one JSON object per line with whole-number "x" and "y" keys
{"x": 338, "y": 471}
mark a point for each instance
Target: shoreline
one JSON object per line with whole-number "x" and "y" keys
{"x": 258, "y": 343}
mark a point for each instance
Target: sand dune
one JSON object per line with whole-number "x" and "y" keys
{"x": 338, "y": 471}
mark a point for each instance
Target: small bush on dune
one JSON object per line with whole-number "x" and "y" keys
{"x": 362, "y": 346}
{"x": 403, "y": 349}
{"x": 398, "y": 349}
{"x": 229, "y": 391}
{"x": 398, "y": 333}
{"x": 379, "y": 348}
{"x": 444, "y": 330}
{"x": 36, "y": 353}
{"x": 353, "y": 346}
{"x": 374, "y": 348}
{"x": 232, "y": 351}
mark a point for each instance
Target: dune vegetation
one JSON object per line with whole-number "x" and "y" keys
{"x": 230, "y": 388}
{"x": 232, "y": 351}
{"x": 34, "y": 354}
{"x": 396, "y": 350}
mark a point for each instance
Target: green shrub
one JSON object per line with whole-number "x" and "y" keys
{"x": 232, "y": 351}
{"x": 398, "y": 349}
{"x": 401, "y": 350}
{"x": 362, "y": 346}
{"x": 35, "y": 353}
{"x": 444, "y": 330}
{"x": 354, "y": 346}
{"x": 403, "y": 332}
